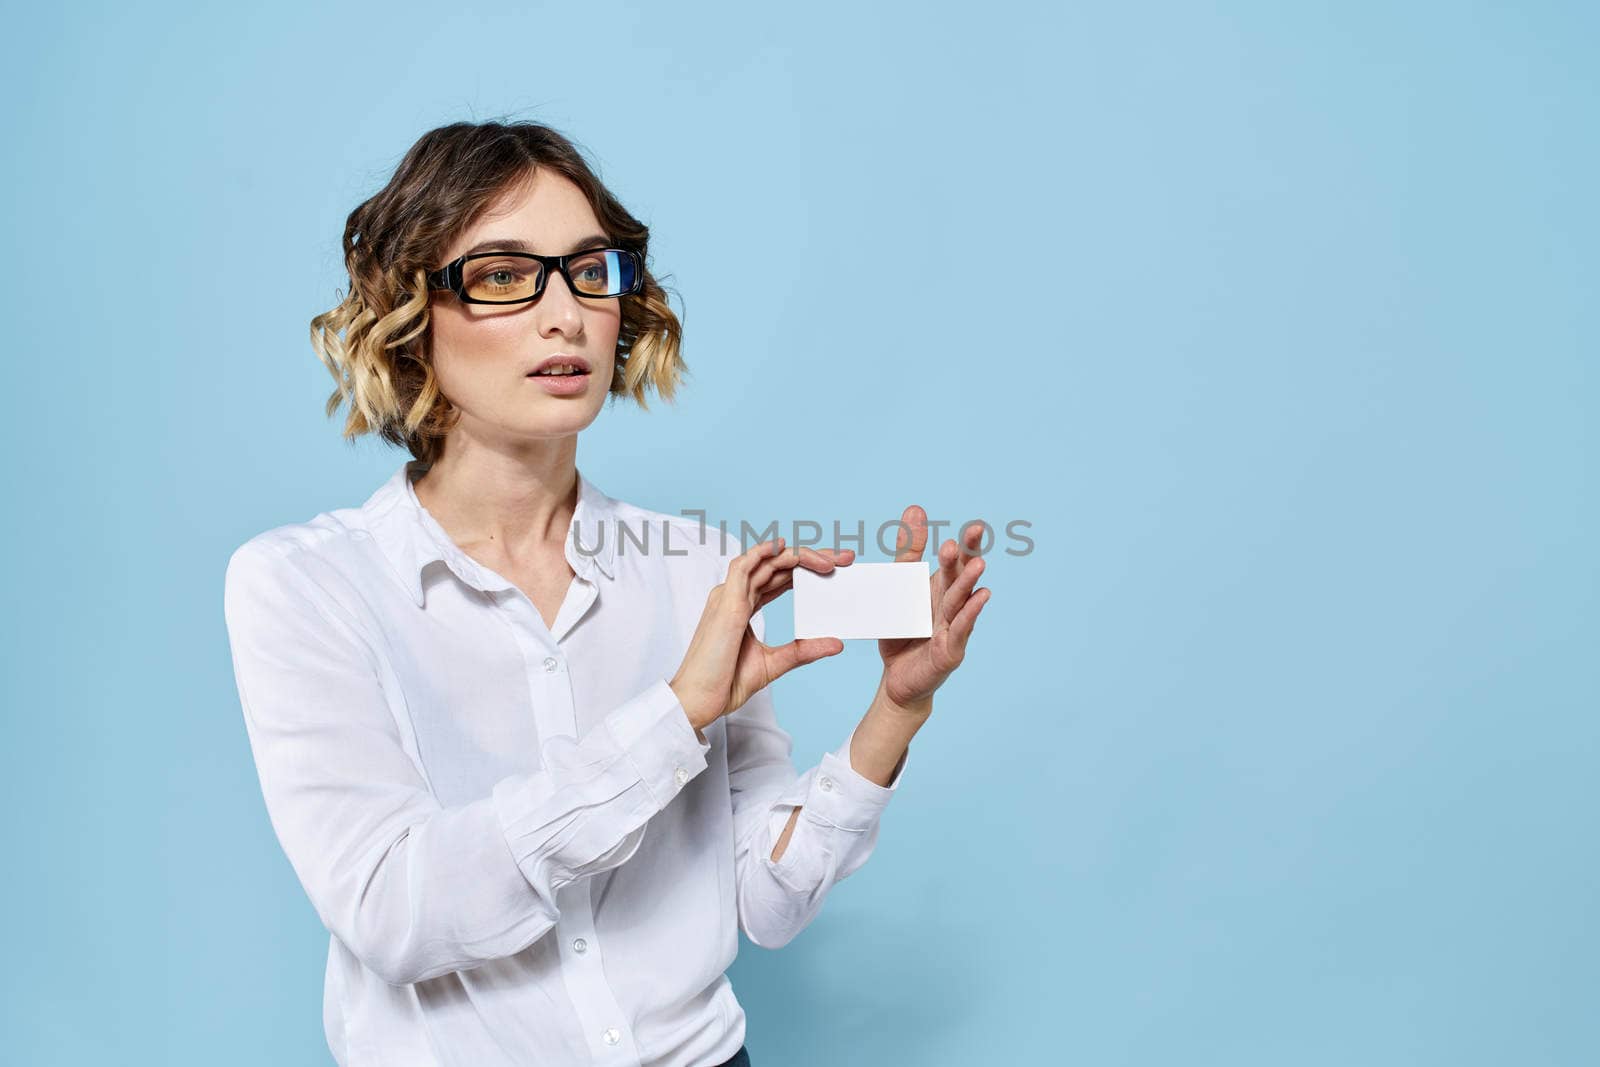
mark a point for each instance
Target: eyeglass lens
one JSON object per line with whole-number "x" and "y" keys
{"x": 604, "y": 272}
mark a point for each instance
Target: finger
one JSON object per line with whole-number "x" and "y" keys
{"x": 776, "y": 587}
{"x": 763, "y": 569}
{"x": 747, "y": 561}
{"x": 744, "y": 565}
{"x": 949, "y": 562}
{"x": 947, "y": 573}
{"x": 961, "y": 626}
{"x": 958, "y": 593}
{"x": 821, "y": 560}
{"x": 761, "y": 553}
{"x": 971, "y": 542}
{"x": 777, "y": 582}
{"x": 809, "y": 558}
{"x": 797, "y": 653}
{"x": 913, "y": 535}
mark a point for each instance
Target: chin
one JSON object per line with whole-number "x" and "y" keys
{"x": 560, "y": 423}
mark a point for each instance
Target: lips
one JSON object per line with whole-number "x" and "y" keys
{"x": 578, "y": 363}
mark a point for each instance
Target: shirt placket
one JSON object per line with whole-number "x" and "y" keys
{"x": 604, "y": 1023}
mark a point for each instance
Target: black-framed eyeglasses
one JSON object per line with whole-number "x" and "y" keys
{"x": 517, "y": 277}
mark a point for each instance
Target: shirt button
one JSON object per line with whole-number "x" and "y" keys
{"x": 580, "y": 945}
{"x": 550, "y": 664}
{"x": 680, "y": 775}
{"x": 611, "y": 1035}
{"x": 827, "y": 784}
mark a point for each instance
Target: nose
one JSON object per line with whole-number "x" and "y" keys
{"x": 558, "y": 308}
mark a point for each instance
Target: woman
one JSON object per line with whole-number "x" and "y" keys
{"x": 523, "y": 760}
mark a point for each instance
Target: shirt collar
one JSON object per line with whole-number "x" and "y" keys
{"x": 411, "y": 538}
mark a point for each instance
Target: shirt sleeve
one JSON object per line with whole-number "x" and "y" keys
{"x": 835, "y": 834}
{"x": 414, "y": 889}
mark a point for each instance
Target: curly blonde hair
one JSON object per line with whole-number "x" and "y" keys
{"x": 376, "y": 342}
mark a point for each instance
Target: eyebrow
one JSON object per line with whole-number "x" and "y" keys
{"x": 517, "y": 244}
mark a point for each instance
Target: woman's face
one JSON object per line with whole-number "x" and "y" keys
{"x": 483, "y": 353}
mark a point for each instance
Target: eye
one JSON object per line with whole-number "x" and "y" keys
{"x": 499, "y": 277}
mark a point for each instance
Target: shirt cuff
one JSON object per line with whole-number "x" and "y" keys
{"x": 582, "y": 809}
{"x": 842, "y": 796}
{"x": 660, "y": 742}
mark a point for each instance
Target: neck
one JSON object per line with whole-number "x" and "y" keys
{"x": 519, "y": 500}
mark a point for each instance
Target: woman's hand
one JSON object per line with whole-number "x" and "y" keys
{"x": 725, "y": 665}
{"x": 913, "y": 667}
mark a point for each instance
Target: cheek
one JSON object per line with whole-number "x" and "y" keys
{"x": 466, "y": 351}
{"x": 605, "y": 347}
{"x": 604, "y": 323}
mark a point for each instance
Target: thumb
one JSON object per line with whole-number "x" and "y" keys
{"x": 799, "y": 652}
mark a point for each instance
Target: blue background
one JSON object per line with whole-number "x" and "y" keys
{"x": 1277, "y": 322}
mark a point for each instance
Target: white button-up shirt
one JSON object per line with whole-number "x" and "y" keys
{"x": 521, "y": 849}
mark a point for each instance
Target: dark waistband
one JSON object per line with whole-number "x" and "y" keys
{"x": 739, "y": 1059}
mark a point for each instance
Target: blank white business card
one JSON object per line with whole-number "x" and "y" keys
{"x": 863, "y": 600}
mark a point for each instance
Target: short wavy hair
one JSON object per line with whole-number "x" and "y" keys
{"x": 376, "y": 343}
